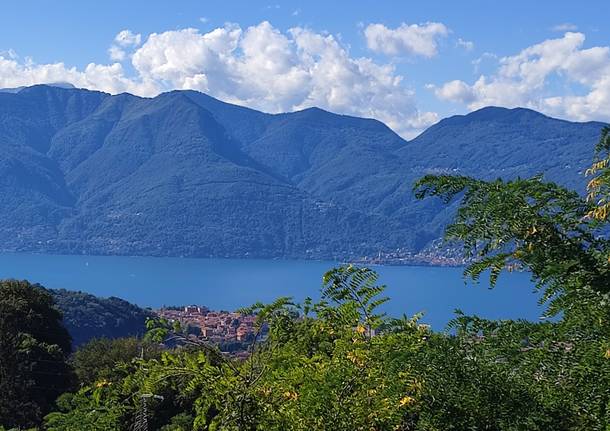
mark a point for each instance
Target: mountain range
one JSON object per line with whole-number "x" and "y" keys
{"x": 184, "y": 174}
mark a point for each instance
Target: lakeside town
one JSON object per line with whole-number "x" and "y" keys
{"x": 230, "y": 331}
{"x": 438, "y": 253}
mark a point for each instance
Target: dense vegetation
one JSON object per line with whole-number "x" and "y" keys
{"x": 184, "y": 174}
{"x": 87, "y": 316}
{"x": 33, "y": 351}
{"x": 341, "y": 364}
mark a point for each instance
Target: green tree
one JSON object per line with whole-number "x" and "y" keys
{"x": 561, "y": 239}
{"x": 33, "y": 351}
{"x": 341, "y": 364}
{"x": 532, "y": 225}
{"x": 599, "y": 187}
{"x": 95, "y": 408}
{"x": 98, "y": 359}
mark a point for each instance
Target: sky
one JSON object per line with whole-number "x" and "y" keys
{"x": 407, "y": 63}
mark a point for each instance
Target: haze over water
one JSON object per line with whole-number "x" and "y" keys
{"x": 230, "y": 283}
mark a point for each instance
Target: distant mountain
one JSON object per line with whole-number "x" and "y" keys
{"x": 66, "y": 85}
{"x": 185, "y": 174}
{"x": 11, "y": 90}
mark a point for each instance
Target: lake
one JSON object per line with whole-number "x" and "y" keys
{"x": 232, "y": 283}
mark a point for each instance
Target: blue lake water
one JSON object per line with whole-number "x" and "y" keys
{"x": 229, "y": 283}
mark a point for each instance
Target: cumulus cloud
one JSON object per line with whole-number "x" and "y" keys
{"x": 525, "y": 79}
{"x": 128, "y": 38}
{"x": 266, "y": 69}
{"x": 259, "y": 66}
{"x": 455, "y": 91}
{"x": 110, "y": 78}
{"x": 9, "y": 54}
{"x": 116, "y": 54}
{"x": 414, "y": 39}
{"x": 123, "y": 41}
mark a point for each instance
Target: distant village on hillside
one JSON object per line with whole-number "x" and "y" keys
{"x": 231, "y": 331}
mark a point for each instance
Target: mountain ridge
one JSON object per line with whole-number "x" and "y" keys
{"x": 185, "y": 174}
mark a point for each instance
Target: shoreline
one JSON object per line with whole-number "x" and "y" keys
{"x": 412, "y": 261}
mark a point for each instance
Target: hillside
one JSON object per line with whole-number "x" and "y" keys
{"x": 87, "y": 316}
{"x": 184, "y": 174}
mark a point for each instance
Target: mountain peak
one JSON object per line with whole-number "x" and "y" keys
{"x": 58, "y": 85}
{"x": 495, "y": 114}
{"x": 64, "y": 85}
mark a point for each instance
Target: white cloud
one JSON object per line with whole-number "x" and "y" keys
{"x": 407, "y": 39}
{"x": 9, "y": 53}
{"x": 110, "y": 78}
{"x": 265, "y": 69}
{"x": 124, "y": 40}
{"x": 128, "y": 38}
{"x": 566, "y": 26}
{"x": 455, "y": 91}
{"x": 260, "y": 67}
{"x": 466, "y": 44}
{"x": 204, "y": 20}
{"x": 525, "y": 80}
{"x": 116, "y": 54}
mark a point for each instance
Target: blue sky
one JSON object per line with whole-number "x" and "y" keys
{"x": 404, "y": 62}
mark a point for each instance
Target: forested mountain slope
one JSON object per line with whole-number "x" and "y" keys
{"x": 188, "y": 175}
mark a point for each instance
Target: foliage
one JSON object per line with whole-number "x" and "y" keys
{"x": 87, "y": 316}
{"x": 340, "y": 361}
{"x": 310, "y": 370}
{"x": 515, "y": 375}
{"x": 533, "y": 225}
{"x": 599, "y": 187}
{"x": 561, "y": 239}
{"x": 98, "y": 359}
{"x": 33, "y": 351}
{"x": 91, "y": 409}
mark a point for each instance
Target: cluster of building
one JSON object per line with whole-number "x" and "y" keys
{"x": 436, "y": 256}
{"x": 223, "y": 328}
